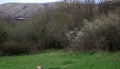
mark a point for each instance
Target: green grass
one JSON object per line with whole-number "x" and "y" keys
{"x": 62, "y": 60}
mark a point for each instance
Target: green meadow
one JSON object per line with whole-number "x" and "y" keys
{"x": 58, "y": 59}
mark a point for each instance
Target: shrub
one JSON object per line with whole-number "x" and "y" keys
{"x": 101, "y": 34}
{"x": 37, "y": 33}
{"x": 14, "y": 48}
{"x": 3, "y": 32}
{"x": 33, "y": 33}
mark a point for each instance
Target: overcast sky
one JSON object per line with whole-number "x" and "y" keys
{"x": 27, "y": 1}
{"x": 33, "y": 1}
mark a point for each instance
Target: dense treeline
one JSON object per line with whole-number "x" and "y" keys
{"x": 76, "y": 26}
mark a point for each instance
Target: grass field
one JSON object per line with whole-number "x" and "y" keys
{"x": 62, "y": 60}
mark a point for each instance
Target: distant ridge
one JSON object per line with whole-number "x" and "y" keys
{"x": 23, "y": 9}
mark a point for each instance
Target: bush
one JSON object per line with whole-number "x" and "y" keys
{"x": 101, "y": 34}
{"x": 3, "y": 32}
{"x": 14, "y": 48}
{"x": 37, "y": 33}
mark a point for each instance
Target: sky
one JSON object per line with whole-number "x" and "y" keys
{"x": 31, "y": 1}
{"x": 27, "y": 1}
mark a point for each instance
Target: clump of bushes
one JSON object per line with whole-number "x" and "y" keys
{"x": 14, "y": 48}
{"x": 80, "y": 26}
{"x": 3, "y": 33}
{"x": 101, "y": 34}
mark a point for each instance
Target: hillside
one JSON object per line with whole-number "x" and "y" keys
{"x": 23, "y": 9}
